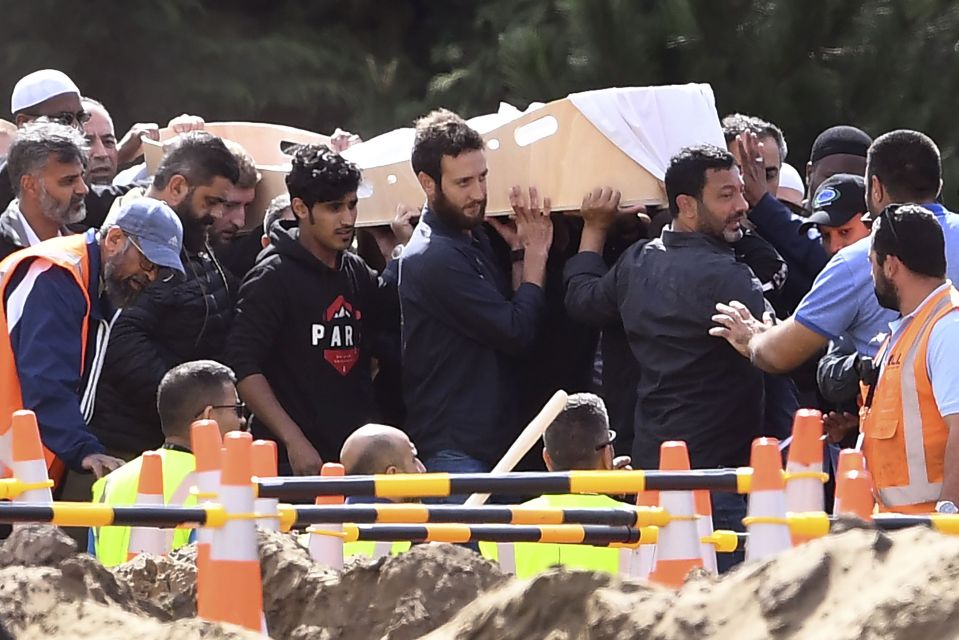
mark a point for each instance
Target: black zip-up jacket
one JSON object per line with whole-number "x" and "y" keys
{"x": 169, "y": 323}
{"x": 310, "y": 330}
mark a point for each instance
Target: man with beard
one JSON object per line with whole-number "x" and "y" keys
{"x": 238, "y": 251}
{"x": 463, "y": 325}
{"x": 910, "y": 421}
{"x": 902, "y": 166}
{"x": 309, "y": 316}
{"x": 59, "y": 300}
{"x": 45, "y": 165}
{"x": 176, "y": 320}
{"x": 690, "y": 388}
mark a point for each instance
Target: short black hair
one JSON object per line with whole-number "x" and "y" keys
{"x": 200, "y": 157}
{"x": 908, "y": 165}
{"x": 571, "y": 439}
{"x": 736, "y": 124}
{"x": 912, "y": 234}
{"x": 186, "y": 390}
{"x": 320, "y": 175}
{"x": 441, "y": 133}
{"x": 686, "y": 174}
{"x": 841, "y": 139}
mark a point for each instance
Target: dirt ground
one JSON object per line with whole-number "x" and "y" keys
{"x": 857, "y": 584}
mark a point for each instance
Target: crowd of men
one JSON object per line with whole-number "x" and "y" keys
{"x": 138, "y": 303}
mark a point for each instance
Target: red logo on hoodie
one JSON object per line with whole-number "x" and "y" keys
{"x": 341, "y": 332}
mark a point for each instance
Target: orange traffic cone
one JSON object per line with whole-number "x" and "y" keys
{"x": 854, "y": 495}
{"x": 804, "y": 475}
{"x": 704, "y": 526}
{"x": 237, "y": 593}
{"x": 678, "y": 547}
{"x": 264, "y": 466}
{"x": 766, "y": 520}
{"x": 28, "y": 463}
{"x": 325, "y": 549}
{"x": 149, "y": 493}
{"x": 849, "y": 460}
{"x": 206, "y": 442}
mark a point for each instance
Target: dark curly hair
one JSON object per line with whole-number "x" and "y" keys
{"x": 320, "y": 175}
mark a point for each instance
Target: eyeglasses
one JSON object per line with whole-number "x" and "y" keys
{"x": 238, "y": 407}
{"x": 610, "y": 438}
{"x": 68, "y": 118}
{"x": 163, "y": 273}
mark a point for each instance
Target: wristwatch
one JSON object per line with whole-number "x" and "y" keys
{"x": 946, "y": 506}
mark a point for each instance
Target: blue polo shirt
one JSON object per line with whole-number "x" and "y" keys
{"x": 842, "y": 301}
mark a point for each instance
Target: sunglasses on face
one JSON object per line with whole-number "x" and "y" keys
{"x": 68, "y": 118}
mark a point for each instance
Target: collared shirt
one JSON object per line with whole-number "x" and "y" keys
{"x": 692, "y": 386}
{"x": 32, "y": 237}
{"x": 462, "y": 328}
{"x": 842, "y": 301}
{"x": 942, "y": 355}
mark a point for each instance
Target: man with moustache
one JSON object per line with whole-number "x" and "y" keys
{"x": 308, "y": 320}
{"x": 60, "y": 298}
{"x": 910, "y": 420}
{"x": 45, "y": 165}
{"x": 177, "y": 320}
{"x": 664, "y": 293}
{"x": 463, "y": 325}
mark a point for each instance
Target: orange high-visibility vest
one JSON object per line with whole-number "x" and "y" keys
{"x": 904, "y": 433}
{"x": 70, "y": 253}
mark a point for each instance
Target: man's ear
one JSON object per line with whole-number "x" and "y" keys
{"x": 29, "y": 184}
{"x": 264, "y": 241}
{"x": 876, "y": 192}
{"x": 113, "y": 240}
{"x": 428, "y": 185}
{"x": 390, "y": 470}
{"x": 177, "y": 189}
{"x": 300, "y": 210}
{"x": 891, "y": 266}
{"x": 687, "y": 205}
{"x": 808, "y": 172}
{"x": 547, "y": 460}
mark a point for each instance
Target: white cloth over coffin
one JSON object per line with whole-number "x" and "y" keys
{"x": 651, "y": 124}
{"x": 397, "y": 145}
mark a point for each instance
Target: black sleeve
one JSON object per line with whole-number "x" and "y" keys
{"x": 760, "y": 256}
{"x": 134, "y": 361}
{"x": 455, "y": 292}
{"x": 837, "y": 375}
{"x": 260, "y": 310}
{"x": 591, "y": 289}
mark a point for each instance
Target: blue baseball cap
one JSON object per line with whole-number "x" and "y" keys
{"x": 155, "y": 226}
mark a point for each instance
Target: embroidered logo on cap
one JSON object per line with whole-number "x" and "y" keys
{"x": 172, "y": 242}
{"x": 825, "y": 196}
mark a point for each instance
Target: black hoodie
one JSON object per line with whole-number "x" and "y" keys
{"x": 310, "y": 330}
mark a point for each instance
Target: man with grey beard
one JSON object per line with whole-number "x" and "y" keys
{"x": 46, "y": 165}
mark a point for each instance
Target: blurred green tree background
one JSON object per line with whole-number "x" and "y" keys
{"x": 370, "y": 66}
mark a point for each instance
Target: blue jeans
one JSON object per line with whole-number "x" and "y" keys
{"x": 453, "y": 461}
{"x": 729, "y": 509}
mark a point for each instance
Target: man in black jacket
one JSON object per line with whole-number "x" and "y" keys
{"x": 178, "y": 320}
{"x": 308, "y": 315}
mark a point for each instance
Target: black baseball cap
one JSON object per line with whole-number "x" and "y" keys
{"x": 837, "y": 200}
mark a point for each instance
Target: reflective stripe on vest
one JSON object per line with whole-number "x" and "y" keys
{"x": 904, "y": 434}
{"x": 120, "y": 488}
{"x": 69, "y": 253}
{"x": 526, "y": 559}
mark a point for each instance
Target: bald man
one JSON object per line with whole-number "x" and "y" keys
{"x": 378, "y": 449}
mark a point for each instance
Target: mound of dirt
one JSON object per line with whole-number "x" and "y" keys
{"x": 47, "y": 590}
{"x": 857, "y": 584}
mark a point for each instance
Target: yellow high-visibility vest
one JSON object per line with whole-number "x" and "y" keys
{"x": 531, "y": 558}
{"x": 119, "y": 488}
